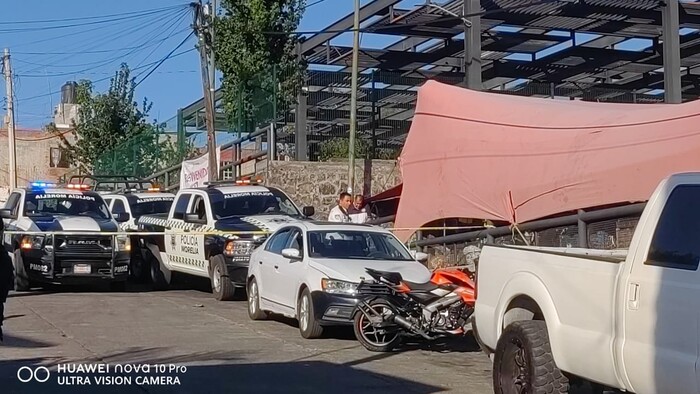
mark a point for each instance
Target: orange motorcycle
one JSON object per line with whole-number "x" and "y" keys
{"x": 390, "y": 307}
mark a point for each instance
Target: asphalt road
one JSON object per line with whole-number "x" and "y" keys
{"x": 222, "y": 350}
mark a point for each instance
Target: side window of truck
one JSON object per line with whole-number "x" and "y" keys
{"x": 118, "y": 207}
{"x": 181, "y": 206}
{"x": 676, "y": 240}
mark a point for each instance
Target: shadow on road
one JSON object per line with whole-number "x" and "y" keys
{"x": 11, "y": 341}
{"x": 307, "y": 377}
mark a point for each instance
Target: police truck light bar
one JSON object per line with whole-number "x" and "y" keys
{"x": 78, "y": 186}
{"x": 42, "y": 184}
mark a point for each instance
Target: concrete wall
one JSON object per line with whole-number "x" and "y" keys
{"x": 319, "y": 183}
{"x": 33, "y": 150}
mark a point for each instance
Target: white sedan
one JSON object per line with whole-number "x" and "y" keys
{"x": 310, "y": 270}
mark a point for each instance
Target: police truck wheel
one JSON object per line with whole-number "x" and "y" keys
{"x": 159, "y": 279}
{"x": 221, "y": 285}
{"x": 139, "y": 269}
{"x": 21, "y": 277}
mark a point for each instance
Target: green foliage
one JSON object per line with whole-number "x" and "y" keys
{"x": 338, "y": 148}
{"x": 256, "y": 52}
{"x": 113, "y": 134}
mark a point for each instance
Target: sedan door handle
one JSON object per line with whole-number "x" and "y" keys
{"x": 277, "y": 266}
{"x": 260, "y": 262}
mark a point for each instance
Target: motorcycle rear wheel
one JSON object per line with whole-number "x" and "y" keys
{"x": 372, "y": 338}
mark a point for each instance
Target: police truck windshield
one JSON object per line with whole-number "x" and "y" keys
{"x": 65, "y": 204}
{"x": 149, "y": 206}
{"x": 252, "y": 203}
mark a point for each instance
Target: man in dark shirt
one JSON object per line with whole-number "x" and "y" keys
{"x": 6, "y": 275}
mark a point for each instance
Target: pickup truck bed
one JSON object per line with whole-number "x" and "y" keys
{"x": 592, "y": 286}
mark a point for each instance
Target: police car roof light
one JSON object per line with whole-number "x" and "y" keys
{"x": 155, "y": 189}
{"x": 40, "y": 184}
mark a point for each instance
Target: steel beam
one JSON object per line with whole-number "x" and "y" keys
{"x": 472, "y": 47}
{"x": 334, "y": 30}
{"x": 672, "y": 52}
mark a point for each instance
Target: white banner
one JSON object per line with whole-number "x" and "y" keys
{"x": 195, "y": 172}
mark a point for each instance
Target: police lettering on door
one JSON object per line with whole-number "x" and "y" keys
{"x": 189, "y": 244}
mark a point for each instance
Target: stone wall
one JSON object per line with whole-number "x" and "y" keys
{"x": 319, "y": 183}
{"x": 33, "y": 154}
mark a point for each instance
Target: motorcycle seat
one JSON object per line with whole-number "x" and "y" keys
{"x": 422, "y": 287}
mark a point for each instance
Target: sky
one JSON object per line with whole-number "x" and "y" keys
{"x": 70, "y": 45}
{"x": 47, "y": 54}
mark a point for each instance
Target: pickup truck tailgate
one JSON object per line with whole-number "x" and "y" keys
{"x": 575, "y": 293}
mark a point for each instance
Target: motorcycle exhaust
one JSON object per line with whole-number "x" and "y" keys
{"x": 408, "y": 326}
{"x": 442, "y": 303}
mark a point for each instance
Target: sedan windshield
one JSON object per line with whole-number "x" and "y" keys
{"x": 270, "y": 202}
{"x": 70, "y": 204}
{"x": 365, "y": 245}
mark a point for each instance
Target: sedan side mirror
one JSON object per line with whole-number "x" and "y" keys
{"x": 194, "y": 218}
{"x": 308, "y": 211}
{"x": 291, "y": 253}
{"x": 420, "y": 256}
{"x": 122, "y": 217}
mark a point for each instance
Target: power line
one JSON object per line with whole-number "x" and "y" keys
{"x": 87, "y": 52}
{"x": 96, "y": 16}
{"x": 43, "y": 28}
{"x": 315, "y": 3}
{"x": 100, "y": 27}
{"x": 168, "y": 56}
{"x": 106, "y": 78}
{"x": 97, "y": 64}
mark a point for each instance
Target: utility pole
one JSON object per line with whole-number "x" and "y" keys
{"x": 204, "y": 27}
{"x": 10, "y": 119}
{"x": 353, "y": 99}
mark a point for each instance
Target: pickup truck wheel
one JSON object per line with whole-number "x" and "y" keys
{"x": 309, "y": 327}
{"x": 159, "y": 279}
{"x": 523, "y": 362}
{"x": 221, "y": 285}
{"x": 21, "y": 277}
{"x": 139, "y": 268}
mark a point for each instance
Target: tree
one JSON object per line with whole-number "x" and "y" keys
{"x": 112, "y": 133}
{"x": 255, "y": 48}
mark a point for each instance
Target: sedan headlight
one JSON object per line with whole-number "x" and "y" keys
{"x": 338, "y": 286}
{"x": 32, "y": 242}
{"x": 122, "y": 243}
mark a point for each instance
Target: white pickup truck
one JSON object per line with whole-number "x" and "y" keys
{"x": 627, "y": 320}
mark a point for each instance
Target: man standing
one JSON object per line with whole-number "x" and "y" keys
{"x": 6, "y": 275}
{"x": 339, "y": 213}
{"x": 358, "y": 210}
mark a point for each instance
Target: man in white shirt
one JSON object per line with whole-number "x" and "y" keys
{"x": 339, "y": 213}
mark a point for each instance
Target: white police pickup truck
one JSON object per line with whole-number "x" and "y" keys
{"x": 135, "y": 203}
{"x": 211, "y": 231}
{"x": 59, "y": 237}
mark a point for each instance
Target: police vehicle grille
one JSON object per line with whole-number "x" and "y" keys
{"x": 83, "y": 244}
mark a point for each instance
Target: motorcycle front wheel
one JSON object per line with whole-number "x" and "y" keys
{"x": 377, "y": 339}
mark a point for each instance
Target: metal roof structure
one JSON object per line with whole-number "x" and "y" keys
{"x": 602, "y": 50}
